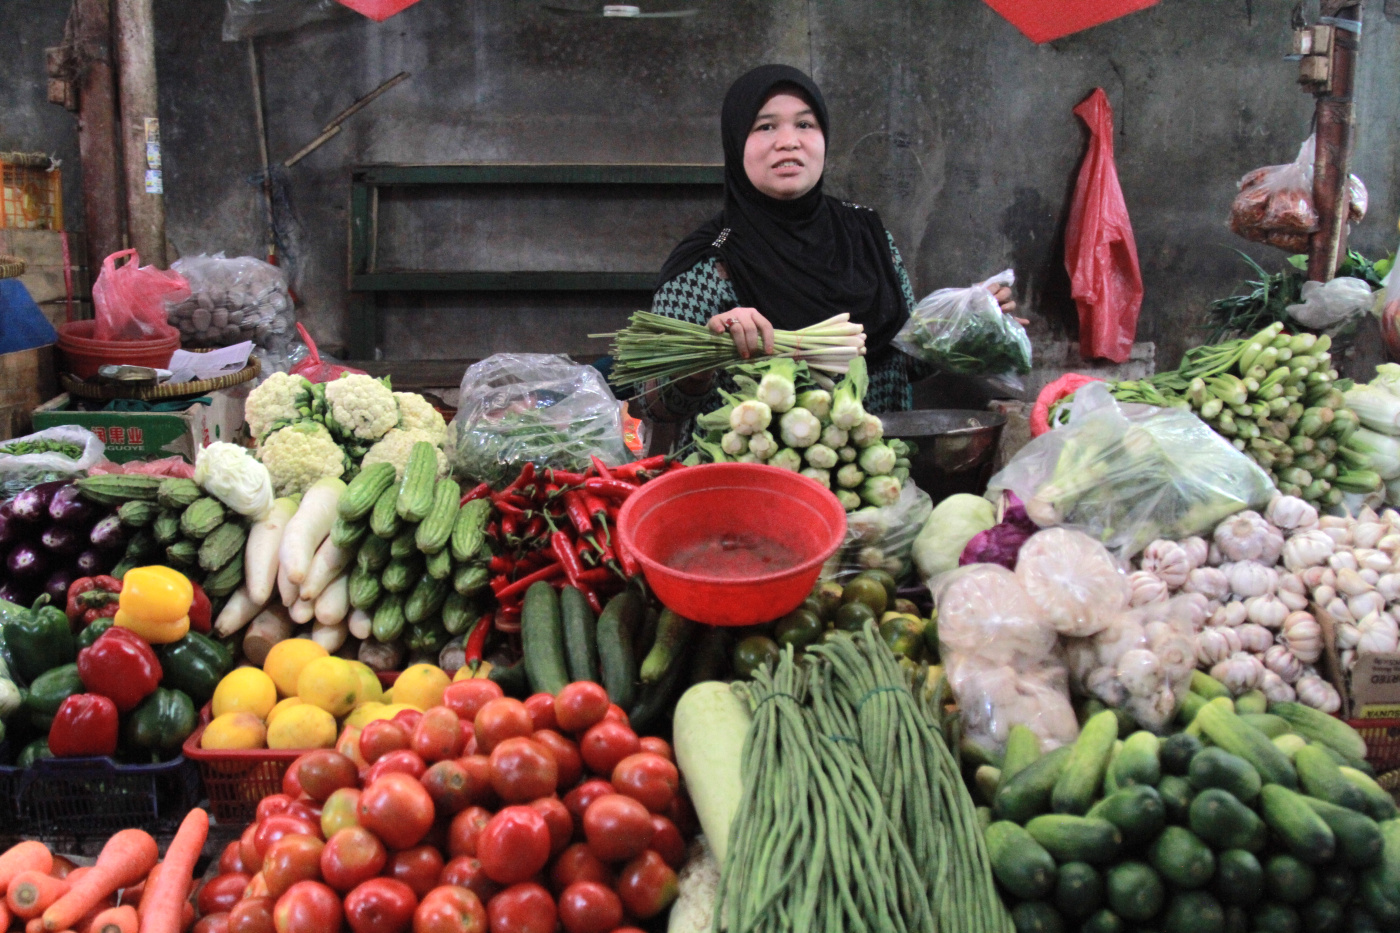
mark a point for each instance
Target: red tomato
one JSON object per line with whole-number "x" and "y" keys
{"x": 229, "y": 860}
{"x": 576, "y": 864}
{"x": 448, "y": 783}
{"x": 501, "y": 719}
{"x": 438, "y": 735}
{"x": 478, "y": 768}
{"x": 657, "y": 746}
{"x": 251, "y": 915}
{"x": 221, "y": 893}
{"x": 522, "y": 908}
{"x": 566, "y": 757}
{"x": 349, "y": 745}
{"x": 273, "y": 804}
{"x": 605, "y": 744}
{"x": 408, "y": 718}
{"x": 323, "y": 771}
{"x": 465, "y": 871}
{"x": 257, "y": 887}
{"x": 521, "y": 770}
{"x": 589, "y": 907}
{"x": 450, "y": 909}
{"x": 339, "y": 811}
{"x": 275, "y": 827}
{"x": 402, "y": 761}
{"x": 352, "y": 856}
{"x": 618, "y": 828}
{"x": 380, "y": 737}
{"x": 467, "y": 697}
{"x": 647, "y": 885}
{"x": 667, "y": 842}
{"x": 380, "y": 905}
{"x": 308, "y": 907}
{"x": 559, "y": 820}
{"x": 397, "y": 809}
{"x": 514, "y": 845}
{"x": 289, "y": 860}
{"x": 304, "y": 809}
{"x": 291, "y": 783}
{"x": 247, "y": 852}
{"x": 683, "y": 815}
{"x": 417, "y": 867}
{"x": 616, "y": 713}
{"x": 465, "y": 829}
{"x": 541, "y": 709}
{"x": 211, "y": 923}
{"x": 580, "y": 705}
{"x": 578, "y": 799}
{"x": 648, "y": 779}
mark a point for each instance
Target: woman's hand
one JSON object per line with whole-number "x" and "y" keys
{"x": 1005, "y": 301}
{"x": 751, "y": 331}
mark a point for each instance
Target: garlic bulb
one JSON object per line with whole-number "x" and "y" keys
{"x": 1340, "y": 534}
{"x": 1324, "y": 595}
{"x": 1250, "y": 578}
{"x": 1373, "y": 559}
{"x": 1267, "y": 611}
{"x": 1276, "y": 689}
{"x": 1293, "y": 601}
{"x": 1214, "y": 645}
{"x": 1272, "y": 549}
{"x": 1147, "y": 588}
{"x": 1240, "y": 673}
{"x": 1367, "y": 515}
{"x": 1242, "y": 536}
{"x": 1319, "y": 694}
{"x": 1303, "y": 636}
{"x": 1369, "y": 575}
{"x": 1365, "y": 604}
{"x": 1254, "y": 638}
{"x": 1187, "y": 612}
{"x": 1321, "y": 575}
{"x": 1283, "y": 663}
{"x": 1368, "y": 534}
{"x": 1389, "y": 544}
{"x": 1339, "y": 611}
{"x": 1213, "y": 556}
{"x": 1103, "y": 683}
{"x": 1309, "y": 549}
{"x": 1169, "y": 561}
{"x": 1379, "y": 634}
{"x": 1210, "y": 582}
{"x": 1124, "y": 633}
{"x": 1197, "y": 551}
{"x": 1348, "y": 636}
{"x": 1351, "y": 583}
{"x": 1289, "y": 513}
{"x": 1343, "y": 560}
{"x": 1229, "y": 615}
{"x": 1389, "y": 587}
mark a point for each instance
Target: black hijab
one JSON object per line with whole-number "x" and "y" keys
{"x": 798, "y": 261}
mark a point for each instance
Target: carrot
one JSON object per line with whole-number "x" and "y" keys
{"x": 115, "y": 920}
{"x": 186, "y": 915}
{"x": 143, "y": 902}
{"x": 26, "y": 856}
{"x": 31, "y": 892}
{"x": 171, "y": 888}
{"x": 35, "y": 925}
{"x": 132, "y": 893}
{"x": 126, "y": 858}
{"x": 61, "y": 867}
{"x": 4, "y": 915}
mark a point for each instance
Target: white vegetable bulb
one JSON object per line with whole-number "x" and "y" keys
{"x": 1319, "y": 694}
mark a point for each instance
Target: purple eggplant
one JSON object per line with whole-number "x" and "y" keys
{"x": 17, "y": 592}
{"x": 58, "y": 582}
{"x": 59, "y": 539}
{"x": 92, "y": 562}
{"x": 68, "y": 507}
{"x": 9, "y": 528}
{"x": 32, "y": 505}
{"x": 27, "y": 562}
{"x": 108, "y": 533}
{"x": 7, "y": 508}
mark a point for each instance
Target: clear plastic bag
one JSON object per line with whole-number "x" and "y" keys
{"x": 18, "y": 472}
{"x": 245, "y": 18}
{"x": 232, "y": 300}
{"x": 536, "y": 407}
{"x": 881, "y": 538}
{"x": 1327, "y": 304}
{"x": 964, "y": 331}
{"x": 129, "y": 300}
{"x": 1073, "y": 579}
{"x": 1132, "y": 474}
{"x": 313, "y": 368}
{"x": 1275, "y": 203}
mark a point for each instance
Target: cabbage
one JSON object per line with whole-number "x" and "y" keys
{"x": 954, "y": 522}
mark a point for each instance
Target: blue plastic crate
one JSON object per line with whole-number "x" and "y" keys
{"x": 97, "y": 796}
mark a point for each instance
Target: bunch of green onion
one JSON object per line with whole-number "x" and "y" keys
{"x": 656, "y": 347}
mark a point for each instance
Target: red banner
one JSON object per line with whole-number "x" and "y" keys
{"x": 1043, "y": 20}
{"x": 378, "y": 10}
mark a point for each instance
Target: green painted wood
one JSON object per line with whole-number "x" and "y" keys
{"x": 363, "y": 313}
{"x": 517, "y": 173}
{"x": 359, "y": 228}
{"x": 503, "y": 281}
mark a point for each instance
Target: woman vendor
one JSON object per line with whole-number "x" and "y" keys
{"x": 783, "y": 254}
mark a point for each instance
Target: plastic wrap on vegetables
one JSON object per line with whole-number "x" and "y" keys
{"x": 1073, "y": 579}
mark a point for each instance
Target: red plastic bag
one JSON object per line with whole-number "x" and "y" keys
{"x": 1044, "y": 20}
{"x": 378, "y": 10}
{"x": 129, "y": 300}
{"x": 1066, "y": 385}
{"x": 313, "y": 369}
{"x": 1100, "y": 253}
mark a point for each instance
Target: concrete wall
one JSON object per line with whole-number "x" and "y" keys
{"x": 944, "y": 118}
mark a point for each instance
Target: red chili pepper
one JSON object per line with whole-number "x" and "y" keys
{"x": 630, "y": 471}
{"x": 566, "y": 478}
{"x": 598, "y": 576}
{"x": 627, "y": 559}
{"x": 547, "y": 572}
{"x": 610, "y": 488}
{"x": 500, "y": 564}
{"x": 510, "y": 523}
{"x": 476, "y": 641}
{"x": 508, "y": 619}
{"x": 600, "y": 466}
{"x": 534, "y": 527}
{"x": 566, "y": 555}
{"x": 90, "y": 595}
{"x": 532, "y": 561}
{"x": 480, "y": 491}
{"x": 85, "y": 725}
{"x": 594, "y": 602}
{"x": 201, "y": 612}
{"x": 577, "y": 508}
{"x": 507, "y": 508}
{"x": 121, "y": 666}
{"x": 527, "y": 473}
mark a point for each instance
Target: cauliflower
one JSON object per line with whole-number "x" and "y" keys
{"x": 280, "y": 397}
{"x": 298, "y": 455}
{"x": 362, "y": 406}
{"x": 417, "y": 413}
{"x": 233, "y": 476}
{"x": 394, "y": 447}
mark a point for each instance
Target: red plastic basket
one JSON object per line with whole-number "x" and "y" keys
{"x": 1382, "y": 742}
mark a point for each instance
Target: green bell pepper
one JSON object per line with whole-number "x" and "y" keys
{"x": 194, "y": 664}
{"x": 39, "y": 748}
{"x": 48, "y": 691}
{"x": 90, "y": 634}
{"x": 40, "y": 641}
{"x": 161, "y": 723}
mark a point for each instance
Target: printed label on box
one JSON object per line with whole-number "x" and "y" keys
{"x": 1375, "y": 681}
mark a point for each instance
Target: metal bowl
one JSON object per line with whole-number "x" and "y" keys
{"x": 956, "y": 448}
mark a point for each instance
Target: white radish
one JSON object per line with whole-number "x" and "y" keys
{"x": 333, "y": 605}
{"x": 287, "y": 591}
{"x": 361, "y": 623}
{"x": 329, "y": 562}
{"x": 260, "y": 556}
{"x": 309, "y": 527}
{"x": 302, "y": 611}
{"x": 330, "y": 637}
{"x": 238, "y": 611}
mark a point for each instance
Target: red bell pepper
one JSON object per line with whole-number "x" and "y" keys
{"x": 201, "y": 611}
{"x": 85, "y": 725}
{"x": 121, "y": 666}
{"x": 92, "y": 598}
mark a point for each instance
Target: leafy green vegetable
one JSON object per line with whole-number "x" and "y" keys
{"x": 963, "y": 330}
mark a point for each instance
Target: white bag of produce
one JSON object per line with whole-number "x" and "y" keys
{"x": 1326, "y": 304}
{"x": 881, "y": 538}
{"x": 232, "y": 300}
{"x": 19, "y": 471}
{"x": 537, "y": 407}
{"x": 1128, "y": 475}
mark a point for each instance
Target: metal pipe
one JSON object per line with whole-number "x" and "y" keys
{"x": 136, "y": 72}
{"x": 1335, "y": 115}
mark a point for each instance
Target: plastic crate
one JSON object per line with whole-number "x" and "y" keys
{"x": 82, "y": 797}
{"x": 31, "y": 192}
{"x": 1382, "y": 742}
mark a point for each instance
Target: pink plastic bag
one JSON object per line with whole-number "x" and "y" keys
{"x": 1100, "y": 253}
{"x": 378, "y": 10}
{"x": 129, "y": 299}
{"x": 313, "y": 369}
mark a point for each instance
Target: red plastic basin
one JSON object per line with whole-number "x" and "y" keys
{"x": 732, "y": 543}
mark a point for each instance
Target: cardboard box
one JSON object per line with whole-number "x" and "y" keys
{"x": 152, "y": 435}
{"x": 26, "y": 381}
{"x": 1375, "y": 687}
{"x": 42, "y": 252}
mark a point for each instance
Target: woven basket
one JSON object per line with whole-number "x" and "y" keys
{"x": 101, "y": 392}
{"x": 37, "y": 160}
{"x": 11, "y": 267}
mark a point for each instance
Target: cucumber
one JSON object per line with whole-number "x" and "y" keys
{"x": 1267, "y": 723}
{"x": 1359, "y": 839}
{"x": 1236, "y": 736}
{"x": 348, "y": 534}
{"x": 403, "y": 546}
{"x": 1275, "y": 918}
{"x": 1236, "y": 919}
{"x": 1190, "y": 705}
{"x": 1078, "y": 890}
{"x": 1380, "y": 885}
{"x": 1317, "y": 726}
{"x": 1028, "y": 793}
{"x": 439, "y": 565}
{"x": 1301, "y": 830}
{"x": 1177, "y": 751}
{"x": 1379, "y": 804}
{"x": 1020, "y": 863}
{"x": 1287, "y": 880}
{"x": 364, "y": 588}
{"x": 1104, "y": 921}
{"x": 1320, "y": 777}
{"x": 1208, "y": 687}
{"x": 373, "y": 554}
{"x": 384, "y": 518}
{"x": 984, "y": 818}
{"x": 1338, "y": 883}
{"x": 1239, "y": 878}
{"x": 511, "y": 679}
{"x": 1138, "y": 762}
{"x": 426, "y": 599}
{"x": 673, "y": 631}
{"x": 415, "y": 491}
{"x": 1251, "y": 702}
{"x": 580, "y": 635}
{"x": 617, "y": 627}
{"x": 1082, "y": 776}
{"x": 389, "y": 620}
{"x": 1290, "y": 743}
{"x": 1135, "y": 892}
{"x": 985, "y": 780}
{"x": 654, "y": 698}
{"x": 364, "y": 491}
{"x": 1137, "y": 811}
{"x": 435, "y": 529}
{"x": 1076, "y": 838}
{"x": 399, "y": 575}
{"x": 469, "y": 580}
{"x": 1194, "y": 912}
{"x": 1037, "y": 917}
{"x": 1176, "y": 793}
{"x": 1221, "y": 820}
{"x": 1182, "y": 858}
{"x": 458, "y": 613}
{"x": 542, "y": 639}
{"x": 1022, "y": 748}
{"x": 469, "y": 530}
{"x": 1214, "y": 767}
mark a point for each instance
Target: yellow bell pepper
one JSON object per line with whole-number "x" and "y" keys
{"x": 156, "y": 633}
{"x": 155, "y": 604}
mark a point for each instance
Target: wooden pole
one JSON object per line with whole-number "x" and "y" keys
{"x": 136, "y": 62}
{"x": 1335, "y": 115}
{"x": 97, "y": 134}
